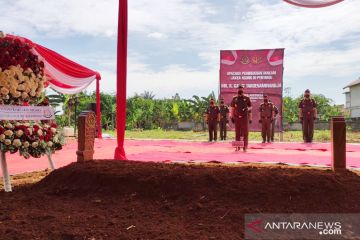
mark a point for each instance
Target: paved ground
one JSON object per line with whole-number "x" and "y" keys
{"x": 184, "y": 151}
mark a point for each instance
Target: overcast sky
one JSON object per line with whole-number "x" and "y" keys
{"x": 174, "y": 44}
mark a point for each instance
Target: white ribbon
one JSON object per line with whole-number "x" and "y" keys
{"x": 13, "y": 112}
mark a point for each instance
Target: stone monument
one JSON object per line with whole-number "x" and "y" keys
{"x": 86, "y": 136}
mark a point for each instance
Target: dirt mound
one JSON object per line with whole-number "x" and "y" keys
{"x": 292, "y": 188}
{"x": 131, "y": 200}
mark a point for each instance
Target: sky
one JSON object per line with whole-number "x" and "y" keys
{"x": 174, "y": 45}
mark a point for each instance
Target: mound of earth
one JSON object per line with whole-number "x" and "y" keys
{"x": 132, "y": 200}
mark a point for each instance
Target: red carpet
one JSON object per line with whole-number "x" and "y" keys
{"x": 188, "y": 151}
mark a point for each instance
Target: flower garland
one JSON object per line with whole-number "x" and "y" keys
{"x": 22, "y": 82}
{"x": 30, "y": 138}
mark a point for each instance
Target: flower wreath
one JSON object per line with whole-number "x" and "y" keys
{"x": 22, "y": 81}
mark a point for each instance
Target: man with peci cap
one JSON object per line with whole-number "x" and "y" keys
{"x": 224, "y": 119}
{"x": 212, "y": 119}
{"x": 307, "y": 114}
{"x": 240, "y": 107}
{"x": 266, "y": 111}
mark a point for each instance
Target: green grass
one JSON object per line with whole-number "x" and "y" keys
{"x": 289, "y": 136}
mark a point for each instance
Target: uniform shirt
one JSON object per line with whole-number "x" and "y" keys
{"x": 276, "y": 110}
{"x": 241, "y": 105}
{"x": 266, "y": 110}
{"x": 213, "y": 112}
{"x": 224, "y": 110}
{"x": 307, "y": 106}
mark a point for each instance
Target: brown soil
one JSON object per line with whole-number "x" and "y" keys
{"x": 131, "y": 200}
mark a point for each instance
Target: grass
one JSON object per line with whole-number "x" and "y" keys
{"x": 289, "y": 136}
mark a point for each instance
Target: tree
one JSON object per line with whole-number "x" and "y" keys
{"x": 148, "y": 95}
{"x": 199, "y": 106}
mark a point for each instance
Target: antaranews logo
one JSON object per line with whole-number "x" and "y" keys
{"x": 255, "y": 226}
{"x": 301, "y": 226}
{"x": 324, "y": 228}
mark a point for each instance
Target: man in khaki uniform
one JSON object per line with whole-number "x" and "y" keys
{"x": 240, "y": 107}
{"x": 212, "y": 119}
{"x": 276, "y": 112}
{"x": 224, "y": 119}
{"x": 266, "y": 111}
{"x": 307, "y": 114}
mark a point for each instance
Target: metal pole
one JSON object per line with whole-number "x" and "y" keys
{"x": 7, "y": 183}
{"x": 51, "y": 162}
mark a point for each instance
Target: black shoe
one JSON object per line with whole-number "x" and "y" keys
{"x": 272, "y": 139}
{"x": 263, "y": 141}
{"x": 245, "y": 149}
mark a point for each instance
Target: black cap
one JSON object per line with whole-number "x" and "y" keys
{"x": 307, "y": 91}
{"x": 240, "y": 86}
{"x": 265, "y": 96}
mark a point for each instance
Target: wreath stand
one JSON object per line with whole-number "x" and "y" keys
{"x": 5, "y": 172}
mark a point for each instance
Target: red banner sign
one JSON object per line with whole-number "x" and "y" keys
{"x": 260, "y": 72}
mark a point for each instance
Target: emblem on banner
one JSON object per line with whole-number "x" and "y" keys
{"x": 245, "y": 60}
{"x": 256, "y": 60}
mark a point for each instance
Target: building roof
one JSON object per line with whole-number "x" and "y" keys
{"x": 356, "y": 82}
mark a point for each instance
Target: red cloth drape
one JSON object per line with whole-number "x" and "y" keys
{"x": 121, "y": 79}
{"x": 65, "y": 65}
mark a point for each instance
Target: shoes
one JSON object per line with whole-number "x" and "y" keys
{"x": 263, "y": 141}
{"x": 245, "y": 149}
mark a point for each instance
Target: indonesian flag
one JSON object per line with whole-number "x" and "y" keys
{"x": 313, "y": 3}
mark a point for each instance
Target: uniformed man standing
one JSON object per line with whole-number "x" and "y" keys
{"x": 276, "y": 112}
{"x": 224, "y": 119}
{"x": 212, "y": 119}
{"x": 240, "y": 107}
{"x": 266, "y": 112}
{"x": 307, "y": 114}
